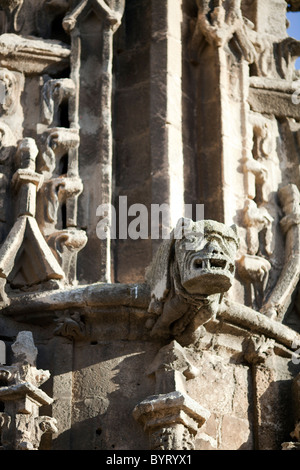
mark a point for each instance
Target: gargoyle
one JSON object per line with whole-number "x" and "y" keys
{"x": 189, "y": 276}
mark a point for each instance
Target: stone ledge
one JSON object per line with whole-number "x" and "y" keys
{"x": 32, "y": 55}
{"x": 19, "y": 391}
{"x": 278, "y": 103}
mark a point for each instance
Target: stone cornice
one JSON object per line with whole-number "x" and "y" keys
{"x": 97, "y": 300}
{"x": 32, "y": 55}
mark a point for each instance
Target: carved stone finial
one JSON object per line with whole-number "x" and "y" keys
{"x": 21, "y": 426}
{"x": 172, "y": 368}
{"x": 171, "y": 418}
{"x": 24, "y": 349}
{"x": 111, "y": 9}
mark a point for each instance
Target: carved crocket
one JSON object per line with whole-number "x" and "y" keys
{"x": 189, "y": 275}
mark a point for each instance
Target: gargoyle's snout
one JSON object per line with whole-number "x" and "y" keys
{"x": 208, "y": 271}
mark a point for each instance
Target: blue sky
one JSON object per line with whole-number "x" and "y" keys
{"x": 294, "y": 29}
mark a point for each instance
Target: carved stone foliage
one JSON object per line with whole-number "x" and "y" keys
{"x": 9, "y": 91}
{"x": 21, "y": 426}
{"x": 278, "y": 65}
{"x": 189, "y": 275}
{"x": 70, "y": 326}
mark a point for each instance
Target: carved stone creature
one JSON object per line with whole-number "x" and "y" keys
{"x": 189, "y": 275}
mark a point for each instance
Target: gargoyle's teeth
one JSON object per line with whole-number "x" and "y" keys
{"x": 213, "y": 263}
{"x": 218, "y": 263}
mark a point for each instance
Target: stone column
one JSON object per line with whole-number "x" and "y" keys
{"x": 222, "y": 50}
{"x": 295, "y": 434}
{"x": 92, "y": 25}
{"x": 268, "y": 414}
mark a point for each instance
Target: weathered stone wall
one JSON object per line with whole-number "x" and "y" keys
{"x": 157, "y": 102}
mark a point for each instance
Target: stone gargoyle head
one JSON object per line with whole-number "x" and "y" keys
{"x": 189, "y": 275}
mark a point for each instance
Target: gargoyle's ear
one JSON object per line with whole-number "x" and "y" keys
{"x": 235, "y": 230}
{"x": 157, "y": 274}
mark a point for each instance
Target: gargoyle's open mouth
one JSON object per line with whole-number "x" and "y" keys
{"x": 213, "y": 263}
{"x": 208, "y": 274}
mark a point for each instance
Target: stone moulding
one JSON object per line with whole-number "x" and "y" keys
{"x": 274, "y": 102}
{"x": 265, "y": 83}
{"x": 100, "y": 297}
{"x": 33, "y": 55}
{"x": 18, "y": 391}
{"x": 246, "y": 317}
